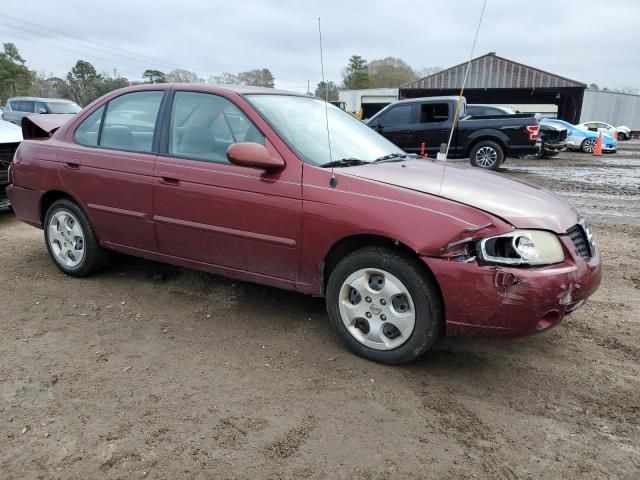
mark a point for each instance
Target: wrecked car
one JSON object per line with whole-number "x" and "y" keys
{"x": 553, "y": 139}
{"x": 10, "y": 138}
{"x": 285, "y": 190}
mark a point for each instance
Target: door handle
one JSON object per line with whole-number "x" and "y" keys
{"x": 169, "y": 178}
{"x": 72, "y": 165}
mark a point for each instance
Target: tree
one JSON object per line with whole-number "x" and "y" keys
{"x": 225, "y": 79}
{"x": 15, "y": 77}
{"x": 109, "y": 84}
{"x": 356, "y": 75}
{"x": 83, "y": 83}
{"x": 631, "y": 90}
{"x": 593, "y": 86}
{"x": 257, "y": 78}
{"x": 47, "y": 86}
{"x": 426, "y": 71}
{"x": 331, "y": 91}
{"x": 390, "y": 72}
{"x": 180, "y": 75}
{"x": 154, "y": 76}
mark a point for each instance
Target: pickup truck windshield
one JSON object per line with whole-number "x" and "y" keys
{"x": 301, "y": 122}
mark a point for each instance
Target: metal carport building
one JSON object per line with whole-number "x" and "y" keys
{"x": 496, "y": 80}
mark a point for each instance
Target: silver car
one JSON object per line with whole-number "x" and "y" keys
{"x": 19, "y": 107}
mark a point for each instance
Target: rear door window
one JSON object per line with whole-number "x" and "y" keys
{"x": 400, "y": 115}
{"x": 129, "y": 123}
{"x": 88, "y": 131}
{"x": 27, "y": 106}
{"x": 40, "y": 107}
{"x": 434, "y": 112}
{"x": 203, "y": 126}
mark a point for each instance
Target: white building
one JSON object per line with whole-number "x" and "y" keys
{"x": 611, "y": 107}
{"x": 370, "y": 100}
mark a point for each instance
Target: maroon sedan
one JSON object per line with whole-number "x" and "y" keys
{"x": 281, "y": 189}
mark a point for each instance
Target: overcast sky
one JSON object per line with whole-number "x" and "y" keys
{"x": 585, "y": 40}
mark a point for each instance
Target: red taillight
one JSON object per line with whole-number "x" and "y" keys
{"x": 533, "y": 131}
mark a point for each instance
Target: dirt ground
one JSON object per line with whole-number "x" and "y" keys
{"x": 151, "y": 371}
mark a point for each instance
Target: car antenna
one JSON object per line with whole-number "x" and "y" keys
{"x": 333, "y": 181}
{"x": 464, "y": 82}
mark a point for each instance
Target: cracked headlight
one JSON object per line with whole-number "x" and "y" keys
{"x": 522, "y": 247}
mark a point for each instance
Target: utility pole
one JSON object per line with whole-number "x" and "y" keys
{"x": 115, "y": 73}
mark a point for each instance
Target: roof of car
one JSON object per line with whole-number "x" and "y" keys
{"x": 432, "y": 99}
{"x": 203, "y": 87}
{"x": 41, "y": 99}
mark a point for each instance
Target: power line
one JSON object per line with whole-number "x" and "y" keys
{"x": 76, "y": 38}
{"x": 85, "y": 54}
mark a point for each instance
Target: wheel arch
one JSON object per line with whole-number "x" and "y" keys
{"x": 350, "y": 244}
{"x": 486, "y": 137}
{"x": 51, "y": 196}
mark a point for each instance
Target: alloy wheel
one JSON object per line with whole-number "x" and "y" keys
{"x": 486, "y": 157}
{"x": 377, "y": 309}
{"x": 66, "y": 239}
{"x": 589, "y": 145}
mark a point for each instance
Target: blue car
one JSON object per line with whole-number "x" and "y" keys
{"x": 585, "y": 140}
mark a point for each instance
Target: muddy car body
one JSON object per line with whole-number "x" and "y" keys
{"x": 404, "y": 249}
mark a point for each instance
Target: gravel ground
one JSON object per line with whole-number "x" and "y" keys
{"x": 151, "y": 371}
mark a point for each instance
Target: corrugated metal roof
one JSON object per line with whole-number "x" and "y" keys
{"x": 492, "y": 71}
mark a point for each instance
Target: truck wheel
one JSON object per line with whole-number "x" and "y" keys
{"x": 70, "y": 239}
{"x": 487, "y": 154}
{"x": 384, "y": 306}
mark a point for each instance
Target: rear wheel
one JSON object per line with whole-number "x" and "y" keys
{"x": 383, "y": 305}
{"x": 487, "y": 154}
{"x": 621, "y": 136}
{"x": 70, "y": 239}
{"x": 588, "y": 145}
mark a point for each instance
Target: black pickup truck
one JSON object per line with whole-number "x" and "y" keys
{"x": 487, "y": 140}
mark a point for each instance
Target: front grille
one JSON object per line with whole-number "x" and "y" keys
{"x": 579, "y": 239}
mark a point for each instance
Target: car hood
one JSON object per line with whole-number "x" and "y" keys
{"x": 10, "y": 133}
{"x": 522, "y": 204}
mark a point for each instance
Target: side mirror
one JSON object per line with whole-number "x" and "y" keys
{"x": 254, "y": 155}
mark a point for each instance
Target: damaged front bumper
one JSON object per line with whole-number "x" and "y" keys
{"x": 513, "y": 301}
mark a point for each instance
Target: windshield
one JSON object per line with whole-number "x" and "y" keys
{"x": 63, "y": 107}
{"x": 301, "y": 122}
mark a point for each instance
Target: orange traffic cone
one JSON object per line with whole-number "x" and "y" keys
{"x": 597, "y": 152}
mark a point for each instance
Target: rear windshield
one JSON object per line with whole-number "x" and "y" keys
{"x": 63, "y": 107}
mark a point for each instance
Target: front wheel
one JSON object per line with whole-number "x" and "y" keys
{"x": 487, "y": 154}
{"x": 621, "y": 136}
{"x": 70, "y": 239}
{"x": 384, "y": 306}
{"x": 588, "y": 145}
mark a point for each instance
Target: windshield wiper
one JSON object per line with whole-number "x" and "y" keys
{"x": 344, "y": 162}
{"x": 394, "y": 157}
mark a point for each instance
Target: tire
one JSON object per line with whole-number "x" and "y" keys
{"x": 588, "y": 145}
{"x": 621, "y": 136}
{"x": 70, "y": 240}
{"x": 487, "y": 155}
{"x": 392, "y": 324}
